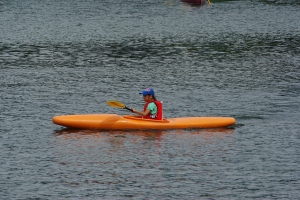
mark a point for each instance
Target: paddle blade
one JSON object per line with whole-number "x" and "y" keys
{"x": 115, "y": 104}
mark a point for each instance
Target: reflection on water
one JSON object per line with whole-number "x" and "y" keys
{"x": 118, "y": 140}
{"x": 91, "y": 140}
{"x": 196, "y": 3}
{"x": 68, "y": 133}
{"x": 129, "y": 160}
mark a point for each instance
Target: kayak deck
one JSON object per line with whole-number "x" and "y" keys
{"x": 128, "y": 122}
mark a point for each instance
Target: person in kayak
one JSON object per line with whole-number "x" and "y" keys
{"x": 152, "y": 107}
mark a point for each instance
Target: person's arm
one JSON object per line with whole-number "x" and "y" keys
{"x": 141, "y": 112}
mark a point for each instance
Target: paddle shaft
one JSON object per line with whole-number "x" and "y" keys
{"x": 130, "y": 109}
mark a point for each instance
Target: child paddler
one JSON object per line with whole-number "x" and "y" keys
{"x": 152, "y": 107}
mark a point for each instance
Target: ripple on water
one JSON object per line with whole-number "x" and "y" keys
{"x": 233, "y": 58}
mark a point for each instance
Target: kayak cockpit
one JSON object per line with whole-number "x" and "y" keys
{"x": 132, "y": 117}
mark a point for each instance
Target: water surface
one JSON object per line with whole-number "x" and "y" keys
{"x": 232, "y": 58}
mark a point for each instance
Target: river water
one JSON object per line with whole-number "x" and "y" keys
{"x": 231, "y": 58}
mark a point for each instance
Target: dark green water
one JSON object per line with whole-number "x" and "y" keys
{"x": 232, "y": 58}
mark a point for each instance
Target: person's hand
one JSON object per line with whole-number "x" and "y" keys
{"x": 133, "y": 110}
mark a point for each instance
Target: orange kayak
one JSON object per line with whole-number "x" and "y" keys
{"x": 128, "y": 122}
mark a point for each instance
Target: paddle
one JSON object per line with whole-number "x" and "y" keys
{"x": 116, "y": 104}
{"x": 208, "y": 2}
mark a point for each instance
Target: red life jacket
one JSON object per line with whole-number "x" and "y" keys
{"x": 159, "y": 114}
